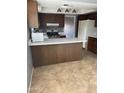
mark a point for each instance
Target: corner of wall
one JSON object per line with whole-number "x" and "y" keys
{"x": 29, "y": 63}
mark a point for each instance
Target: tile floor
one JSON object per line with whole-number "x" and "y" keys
{"x": 71, "y": 77}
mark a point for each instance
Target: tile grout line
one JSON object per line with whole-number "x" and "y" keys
{"x": 30, "y": 80}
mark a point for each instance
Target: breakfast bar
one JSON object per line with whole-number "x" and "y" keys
{"x": 52, "y": 51}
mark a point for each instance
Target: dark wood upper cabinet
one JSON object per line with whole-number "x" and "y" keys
{"x": 60, "y": 19}
{"x": 51, "y": 18}
{"x": 42, "y": 20}
{"x": 96, "y": 23}
{"x": 82, "y": 17}
{"x": 92, "y": 16}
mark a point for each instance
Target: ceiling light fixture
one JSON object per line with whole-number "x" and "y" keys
{"x": 67, "y": 10}
{"x": 74, "y": 11}
{"x": 59, "y": 10}
{"x": 65, "y": 6}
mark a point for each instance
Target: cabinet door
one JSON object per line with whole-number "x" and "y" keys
{"x": 92, "y": 44}
{"x": 32, "y": 13}
{"x": 59, "y": 18}
{"x": 82, "y": 17}
{"x": 51, "y": 18}
{"x": 42, "y": 20}
{"x": 93, "y": 16}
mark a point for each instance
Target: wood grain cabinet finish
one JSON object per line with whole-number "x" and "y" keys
{"x": 60, "y": 19}
{"x": 32, "y": 14}
{"x": 92, "y": 44}
{"x": 51, "y": 54}
{"x": 93, "y": 16}
{"x": 50, "y": 18}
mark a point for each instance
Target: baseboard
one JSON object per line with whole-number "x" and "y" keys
{"x": 30, "y": 80}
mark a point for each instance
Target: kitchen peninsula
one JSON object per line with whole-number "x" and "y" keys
{"x": 53, "y": 51}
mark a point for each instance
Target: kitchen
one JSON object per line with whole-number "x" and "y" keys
{"x": 62, "y": 32}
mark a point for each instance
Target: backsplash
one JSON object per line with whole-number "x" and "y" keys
{"x": 50, "y": 29}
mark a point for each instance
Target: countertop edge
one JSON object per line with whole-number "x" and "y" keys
{"x": 53, "y": 43}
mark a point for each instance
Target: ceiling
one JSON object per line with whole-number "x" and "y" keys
{"x": 82, "y": 6}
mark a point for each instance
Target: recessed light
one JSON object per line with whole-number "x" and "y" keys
{"x": 74, "y": 11}
{"x": 65, "y": 6}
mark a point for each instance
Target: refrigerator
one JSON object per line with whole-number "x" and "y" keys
{"x": 86, "y": 28}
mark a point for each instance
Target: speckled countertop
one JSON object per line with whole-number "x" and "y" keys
{"x": 55, "y": 41}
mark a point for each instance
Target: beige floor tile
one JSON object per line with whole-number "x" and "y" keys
{"x": 70, "y": 77}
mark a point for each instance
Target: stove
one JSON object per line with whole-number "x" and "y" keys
{"x": 55, "y": 35}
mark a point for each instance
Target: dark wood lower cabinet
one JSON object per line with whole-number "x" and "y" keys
{"x": 51, "y": 54}
{"x": 92, "y": 44}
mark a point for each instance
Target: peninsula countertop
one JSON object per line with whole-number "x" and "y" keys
{"x": 55, "y": 41}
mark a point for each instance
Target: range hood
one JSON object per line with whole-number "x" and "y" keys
{"x": 52, "y": 24}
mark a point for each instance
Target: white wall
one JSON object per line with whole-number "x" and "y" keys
{"x": 29, "y": 62}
